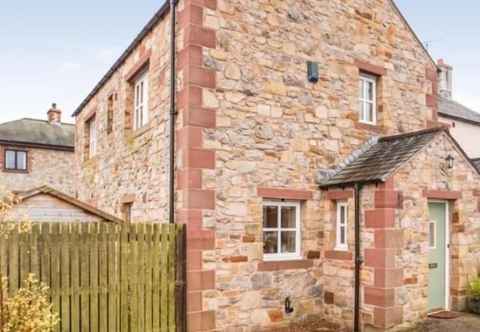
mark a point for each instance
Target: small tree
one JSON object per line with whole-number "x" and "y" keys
{"x": 29, "y": 309}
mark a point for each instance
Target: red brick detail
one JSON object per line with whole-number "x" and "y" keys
{"x": 382, "y": 297}
{"x": 380, "y": 258}
{"x": 139, "y": 66}
{"x": 275, "y": 315}
{"x": 200, "y": 77}
{"x": 200, "y": 199}
{"x": 386, "y": 199}
{"x": 191, "y": 14}
{"x": 410, "y": 281}
{"x": 476, "y": 193}
{"x": 194, "y": 260}
{"x": 189, "y": 178}
{"x": 284, "y": 265}
{"x": 235, "y": 259}
{"x": 386, "y": 278}
{"x": 190, "y": 96}
{"x": 189, "y": 137}
{"x": 388, "y": 317}
{"x": 389, "y": 184}
{"x": 200, "y": 280}
{"x": 248, "y": 238}
{"x": 389, "y": 238}
{"x": 380, "y": 218}
{"x": 442, "y": 194}
{"x": 201, "y": 321}
{"x": 194, "y": 301}
{"x": 339, "y": 255}
{"x": 193, "y": 217}
{"x": 369, "y": 127}
{"x": 205, "y": 37}
{"x": 200, "y": 239}
{"x": 200, "y": 117}
{"x": 370, "y": 68}
{"x": 285, "y": 193}
{"x": 338, "y": 195}
{"x": 190, "y": 56}
{"x": 329, "y": 298}
{"x": 199, "y": 158}
{"x": 431, "y": 101}
{"x": 313, "y": 254}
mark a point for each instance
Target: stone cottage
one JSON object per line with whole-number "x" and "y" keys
{"x": 286, "y": 111}
{"x": 37, "y": 152}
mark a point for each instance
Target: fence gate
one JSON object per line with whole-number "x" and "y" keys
{"x": 103, "y": 277}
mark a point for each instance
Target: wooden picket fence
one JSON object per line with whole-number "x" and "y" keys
{"x": 103, "y": 277}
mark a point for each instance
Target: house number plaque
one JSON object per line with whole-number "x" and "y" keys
{"x": 432, "y": 266}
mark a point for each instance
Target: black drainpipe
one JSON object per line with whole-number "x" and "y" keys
{"x": 358, "y": 256}
{"x": 173, "y": 113}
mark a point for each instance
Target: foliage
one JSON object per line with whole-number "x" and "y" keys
{"x": 29, "y": 309}
{"x": 474, "y": 289}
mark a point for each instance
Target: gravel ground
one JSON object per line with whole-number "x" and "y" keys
{"x": 465, "y": 323}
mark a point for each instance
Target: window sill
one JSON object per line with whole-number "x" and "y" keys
{"x": 300, "y": 264}
{"x": 15, "y": 171}
{"x": 339, "y": 255}
{"x": 368, "y": 126}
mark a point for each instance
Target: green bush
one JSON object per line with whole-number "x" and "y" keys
{"x": 474, "y": 289}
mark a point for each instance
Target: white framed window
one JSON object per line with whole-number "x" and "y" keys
{"x": 432, "y": 234}
{"x": 342, "y": 227}
{"x": 141, "y": 101}
{"x": 92, "y": 137}
{"x": 281, "y": 230}
{"x": 368, "y": 99}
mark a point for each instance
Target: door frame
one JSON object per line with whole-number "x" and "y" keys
{"x": 447, "y": 249}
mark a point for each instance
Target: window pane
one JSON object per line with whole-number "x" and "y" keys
{"x": 288, "y": 217}
{"x": 370, "y": 87}
{"x": 342, "y": 215}
{"x": 10, "y": 160}
{"x": 288, "y": 242}
{"x": 270, "y": 242}
{"x": 361, "y": 88}
{"x": 21, "y": 160}
{"x": 431, "y": 237}
{"x": 369, "y": 112}
{"x": 270, "y": 217}
{"x": 342, "y": 235}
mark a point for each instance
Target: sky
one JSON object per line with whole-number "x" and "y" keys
{"x": 56, "y": 51}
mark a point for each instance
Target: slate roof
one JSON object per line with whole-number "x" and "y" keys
{"x": 476, "y": 162}
{"x": 453, "y": 109}
{"x": 38, "y": 133}
{"x": 46, "y": 190}
{"x": 379, "y": 161}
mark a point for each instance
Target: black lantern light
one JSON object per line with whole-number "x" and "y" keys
{"x": 449, "y": 161}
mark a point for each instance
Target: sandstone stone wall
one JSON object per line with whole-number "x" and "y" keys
{"x": 130, "y": 166}
{"x": 250, "y": 128}
{"x": 275, "y": 130}
{"x": 45, "y": 167}
{"x": 423, "y": 178}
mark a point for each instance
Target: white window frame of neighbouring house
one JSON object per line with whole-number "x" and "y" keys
{"x": 341, "y": 243}
{"x": 366, "y": 100}
{"x": 279, "y": 255}
{"x": 140, "y": 113}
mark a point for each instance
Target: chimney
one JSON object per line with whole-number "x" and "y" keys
{"x": 54, "y": 115}
{"x": 445, "y": 79}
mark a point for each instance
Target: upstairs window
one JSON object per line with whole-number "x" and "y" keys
{"x": 368, "y": 99}
{"x": 281, "y": 230}
{"x": 342, "y": 227}
{"x": 141, "y": 101}
{"x": 91, "y": 137}
{"x": 110, "y": 108}
{"x": 15, "y": 160}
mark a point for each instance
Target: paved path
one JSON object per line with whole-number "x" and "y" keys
{"x": 465, "y": 323}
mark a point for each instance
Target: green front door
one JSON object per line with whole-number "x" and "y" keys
{"x": 437, "y": 256}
